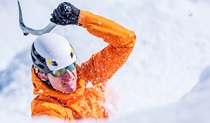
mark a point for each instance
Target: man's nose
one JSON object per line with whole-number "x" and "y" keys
{"x": 68, "y": 73}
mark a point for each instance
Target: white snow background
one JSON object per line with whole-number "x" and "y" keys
{"x": 165, "y": 80}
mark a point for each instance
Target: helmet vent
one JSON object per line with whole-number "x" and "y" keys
{"x": 71, "y": 54}
{"x": 54, "y": 63}
{"x": 39, "y": 57}
{"x": 38, "y": 60}
{"x": 39, "y": 66}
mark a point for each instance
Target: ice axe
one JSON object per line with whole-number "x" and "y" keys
{"x": 27, "y": 30}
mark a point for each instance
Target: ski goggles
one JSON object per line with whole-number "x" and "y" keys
{"x": 61, "y": 72}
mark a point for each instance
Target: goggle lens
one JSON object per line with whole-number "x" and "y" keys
{"x": 61, "y": 72}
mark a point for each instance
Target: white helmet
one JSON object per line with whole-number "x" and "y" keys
{"x": 51, "y": 52}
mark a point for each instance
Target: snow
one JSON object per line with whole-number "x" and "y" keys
{"x": 166, "y": 78}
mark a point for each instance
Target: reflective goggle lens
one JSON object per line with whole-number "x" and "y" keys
{"x": 61, "y": 72}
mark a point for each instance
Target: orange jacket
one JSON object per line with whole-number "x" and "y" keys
{"x": 87, "y": 102}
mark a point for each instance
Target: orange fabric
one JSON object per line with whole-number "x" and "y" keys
{"x": 87, "y": 102}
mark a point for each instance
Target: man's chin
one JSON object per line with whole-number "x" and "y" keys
{"x": 71, "y": 88}
{"x": 70, "y": 91}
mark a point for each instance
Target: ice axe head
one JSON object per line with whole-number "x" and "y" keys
{"x": 27, "y": 30}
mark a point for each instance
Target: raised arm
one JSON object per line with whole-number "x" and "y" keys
{"x": 102, "y": 65}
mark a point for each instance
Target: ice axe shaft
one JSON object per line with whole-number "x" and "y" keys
{"x": 27, "y": 30}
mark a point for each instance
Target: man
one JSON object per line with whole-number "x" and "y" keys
{"x": 59, "y": 83}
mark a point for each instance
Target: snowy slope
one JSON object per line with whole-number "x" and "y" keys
{"x": 166, "y": 78}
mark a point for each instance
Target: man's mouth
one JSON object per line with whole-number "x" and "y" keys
{"x": 67, "y": 81}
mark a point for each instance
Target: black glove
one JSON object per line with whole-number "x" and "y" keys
{"x": 65, "y": 14}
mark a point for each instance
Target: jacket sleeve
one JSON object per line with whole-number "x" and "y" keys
{"x": 43, "y": 108}
{"x": 102, "y": 65}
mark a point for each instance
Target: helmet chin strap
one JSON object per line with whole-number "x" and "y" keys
{"x": 48, "y": 84}
{"x": 26, "y": 30}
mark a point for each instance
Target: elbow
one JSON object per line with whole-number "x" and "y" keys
{"x": 132, "y": 39}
